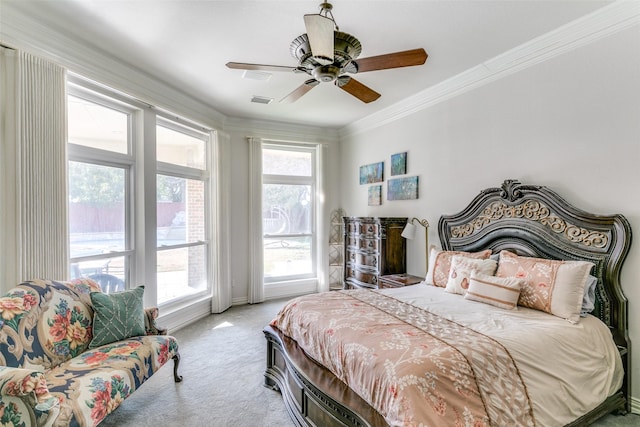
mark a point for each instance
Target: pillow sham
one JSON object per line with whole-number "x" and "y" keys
{"x": 589, "y": 296}
{"x": 501, "y": 292}
{"x": 440, "y": 264}
{"x": 117, "y": 316}
{"x": 555, "y": 287}
{"x": 461, "y": 270}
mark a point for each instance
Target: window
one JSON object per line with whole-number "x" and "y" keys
{"x": 288, "y": 212}
{"x": 109, "y": 216}
{"x": 99, "y": 186}
{"x": 181, "y": 189}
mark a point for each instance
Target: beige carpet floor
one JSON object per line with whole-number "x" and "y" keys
{"x": 223, "y": 360}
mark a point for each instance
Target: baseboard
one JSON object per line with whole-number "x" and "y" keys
{"x": 635, "y": 405}
{"x": 174, "y": 320}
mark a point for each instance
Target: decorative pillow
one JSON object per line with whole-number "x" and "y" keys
{"x": 502, "y": 292}
{"x": 461, "y": 270}
{"x": 440, "y": 263}
{"x": 589, "y": 296}
{"x": 118, "y": 316}
{"x": 555, "y": 287}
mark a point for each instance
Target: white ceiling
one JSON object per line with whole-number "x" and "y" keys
{"x": 187, "y": 44}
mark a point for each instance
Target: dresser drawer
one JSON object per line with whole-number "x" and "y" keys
{"x": 370, "y": 230}
{"x": 363, "y": 228}
{"x": 361, "y": 278}
{"x": 369, "y": 245}
{"x": 364, "y": 259}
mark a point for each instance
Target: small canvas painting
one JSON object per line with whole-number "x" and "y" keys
{"x": 371, "y": 173}
{"x": 402, "y": 188}
{"x": 399, "y": 163}
{"x": 375, "y": 195}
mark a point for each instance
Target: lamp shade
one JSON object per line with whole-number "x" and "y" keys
{"x": 409, "y": 231}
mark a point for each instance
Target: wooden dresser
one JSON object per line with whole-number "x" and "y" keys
{"x": 373, "y": 247}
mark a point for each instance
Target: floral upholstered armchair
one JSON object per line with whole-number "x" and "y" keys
{"x": 69, "y": 354}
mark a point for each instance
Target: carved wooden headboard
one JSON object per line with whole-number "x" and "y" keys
{"x": 535, "y": 221}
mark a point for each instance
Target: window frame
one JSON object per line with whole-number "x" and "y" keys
{"x": 140, "y": 163}
{"x": 185, "y": 172}
{"x": 94, "y": 156}
{"x": 312, "y": 181}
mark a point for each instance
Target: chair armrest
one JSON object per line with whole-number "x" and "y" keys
{"x": 150, "y": 326}
{"x": 27, "y": 384}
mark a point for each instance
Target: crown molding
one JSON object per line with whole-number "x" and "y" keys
{"x": 22, "y": 31}
{"x": 280, "y": 130}
{"x": 595, "y": 26}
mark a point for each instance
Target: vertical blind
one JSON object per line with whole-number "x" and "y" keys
{"x": 41, "y": 180}
{"x": 256, "y": 284}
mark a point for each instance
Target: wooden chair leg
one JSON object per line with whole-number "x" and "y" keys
{"x": 176, "y": 361}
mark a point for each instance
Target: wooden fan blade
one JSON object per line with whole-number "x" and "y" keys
{"x": 407, "y": 58}
{"x": 299, "y": 91}
{"x": 357, "y": 89}
{"x": 321, "y": 37}
{"x": 259, "y": 67}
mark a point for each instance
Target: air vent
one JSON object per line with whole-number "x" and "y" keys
{"x": 256, "y": 75}
{"x": 261, "y": 99}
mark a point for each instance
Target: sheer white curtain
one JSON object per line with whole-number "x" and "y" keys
{"x": 222, "y": 292}
{"x": 256, "y": 282}
{"x": 34, "y": 162}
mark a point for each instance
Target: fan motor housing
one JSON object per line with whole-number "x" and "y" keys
{"x": 346, "y": 48}
{"x": 325, "y": 73}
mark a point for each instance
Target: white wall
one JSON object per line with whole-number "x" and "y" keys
{"x": 571, "y": 123}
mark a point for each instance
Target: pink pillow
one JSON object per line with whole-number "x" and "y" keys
{"x": 440, "y": 264}
{"x": 555, "y": 287}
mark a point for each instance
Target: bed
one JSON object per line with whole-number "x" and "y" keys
{"x": 477, "y": 364}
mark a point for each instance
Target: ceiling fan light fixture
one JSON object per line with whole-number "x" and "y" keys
{"x": 320, "y": 33}
{"x": 326, "y": 73}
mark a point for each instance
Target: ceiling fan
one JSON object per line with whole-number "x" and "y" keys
{"x": 328, "y": 55}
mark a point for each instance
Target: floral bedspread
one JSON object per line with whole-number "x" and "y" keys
{"x": 414, "y": 367}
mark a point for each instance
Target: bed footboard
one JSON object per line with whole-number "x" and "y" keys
{"x": 312, "y": 395}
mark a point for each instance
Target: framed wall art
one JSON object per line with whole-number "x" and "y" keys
{"x": 402, "y": 188}
{"x": 375, "y": 195}
{"x": 371, "y": 173}
{"x": 399, "y": 163}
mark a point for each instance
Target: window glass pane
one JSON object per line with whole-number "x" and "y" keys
{"x": 180, "y": 210}
{"x": 287, "y": 209}
{"x": 181, "y": 272}
{"x": 179, "y": 149}
{"x": 108, "y": 272}
{"x": 96, "y": 209}
{"x": 281, "y": 162}
{"x": 96, "y": 126}
{"x": 287, "y": 256}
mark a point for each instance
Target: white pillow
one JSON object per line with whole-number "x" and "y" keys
{"x": 501, "y": 292}
{"x": 461, "y": 270}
